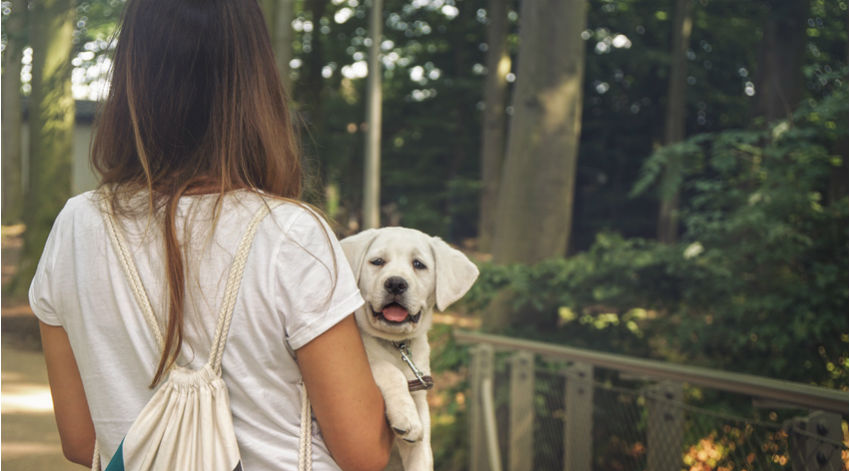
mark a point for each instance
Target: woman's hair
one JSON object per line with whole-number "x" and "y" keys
{"x": 195, "y": 105}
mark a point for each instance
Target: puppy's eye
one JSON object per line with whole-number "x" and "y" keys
{"x": 418, "y": 265}
{"x": 378, "y": 262}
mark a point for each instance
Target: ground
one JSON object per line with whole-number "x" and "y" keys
{"x": 30, "y": 440}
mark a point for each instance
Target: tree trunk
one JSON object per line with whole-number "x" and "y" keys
{"x": 667, "y": 224}
{"x": 282, "y": 37}
{"x": 780, "y": 80}
{"x": 269, "y": 11}
{"x": 839, "y": 178}
{"x": 51, "y": 123}
{"x": 278, "y": 19}
{"x": 371, "y": 173}
{"x": 535, "y": 200}
{"x": 493, "y": 129}
{"x": 312, "y": 80}
{"x": 12, "y": 114}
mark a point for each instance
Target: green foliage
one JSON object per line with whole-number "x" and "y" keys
{"x": 758, "y": 284}
{"x": 761, "y": 209}
{"x": 625, "y": 93}
{"x": 603, "y": 299}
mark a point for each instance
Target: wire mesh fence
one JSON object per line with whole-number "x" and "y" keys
{"x": 638, "y": 424}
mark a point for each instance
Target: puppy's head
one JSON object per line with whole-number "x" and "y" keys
{"x": 403, "y": 274}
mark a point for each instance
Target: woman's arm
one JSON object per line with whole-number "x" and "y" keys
{"x": 345, "y": 399}
{"x": 73, "y": 418}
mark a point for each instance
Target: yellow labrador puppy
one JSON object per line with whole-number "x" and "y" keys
{"x": 403, "y": 274}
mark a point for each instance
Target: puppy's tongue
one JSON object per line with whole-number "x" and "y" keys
{"x": 394, "y": 313}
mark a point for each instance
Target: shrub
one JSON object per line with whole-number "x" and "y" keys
{"x": 759, "y": 282}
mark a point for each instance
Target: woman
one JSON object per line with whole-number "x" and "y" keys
{"x": 195, "y": 135}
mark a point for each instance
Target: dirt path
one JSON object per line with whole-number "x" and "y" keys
{"x": 29, "y": 437}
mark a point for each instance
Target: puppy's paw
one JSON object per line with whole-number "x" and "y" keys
{"x": 407, "y": 427}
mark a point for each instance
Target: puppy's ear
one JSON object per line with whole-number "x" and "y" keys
{"x": 355, "y": 248}
{"x": 455, "y": 273}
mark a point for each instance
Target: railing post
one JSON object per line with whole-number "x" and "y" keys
{"x": 521, "y": 450}
{"x": 665, "y": 426}
{"x": 578, "y": 441}
{"x": 815, "y": 442}
{"x": 481, "y": 368}
{"x": 493, "y": 452}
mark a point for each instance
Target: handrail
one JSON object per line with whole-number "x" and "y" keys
{"x": 785, "y": 391}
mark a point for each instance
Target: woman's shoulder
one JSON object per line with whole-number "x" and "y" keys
{"x": 74, "y": 226}
{"x": 291, "y": 226}
{"x": 81, "y": 207}
{"x": 83, "y": 201}
{"x": 294, "y": 218}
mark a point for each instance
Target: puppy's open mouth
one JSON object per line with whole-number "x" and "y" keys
{"x": 395, "y": 313}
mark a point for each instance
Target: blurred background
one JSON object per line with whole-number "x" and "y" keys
{"x": 658, "y": 179}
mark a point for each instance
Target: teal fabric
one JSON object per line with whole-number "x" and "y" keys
{"x": 117, "y": 461}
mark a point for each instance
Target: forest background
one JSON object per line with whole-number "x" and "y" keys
{"x": 659, "y": 178}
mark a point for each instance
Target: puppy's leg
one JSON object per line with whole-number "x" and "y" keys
{"x": 418, "y": 456}
{"x": 401, "y": 410}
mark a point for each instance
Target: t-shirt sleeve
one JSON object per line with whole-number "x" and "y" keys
{"x": 43, "y": 286}
{"x": 315, "y": 286}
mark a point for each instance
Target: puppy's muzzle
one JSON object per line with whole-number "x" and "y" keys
{"x": 395, "y": 311}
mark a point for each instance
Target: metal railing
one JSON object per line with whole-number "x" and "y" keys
{"x": 547, "y": 406}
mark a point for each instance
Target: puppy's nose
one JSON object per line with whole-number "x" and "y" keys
{"x": 395, "y": 284}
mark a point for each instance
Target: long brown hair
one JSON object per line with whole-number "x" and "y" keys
{"x": 195, "y": 105}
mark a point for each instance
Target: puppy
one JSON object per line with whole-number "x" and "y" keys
{"x": 403, "y": 274}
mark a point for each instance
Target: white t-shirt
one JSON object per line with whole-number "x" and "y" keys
{"x": 296, "y": 285}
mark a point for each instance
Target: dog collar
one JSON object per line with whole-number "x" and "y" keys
{"x": 422, "y": 382}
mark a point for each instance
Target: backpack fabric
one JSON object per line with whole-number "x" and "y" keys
{"x": 188, "y": 424}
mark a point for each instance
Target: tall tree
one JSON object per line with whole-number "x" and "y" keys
{"x": 839, "y": 178}
{"x": 537, "y": 185}
{"x": 371, "y": 173}
{"x": 51, "y": 122}
{"x": 282, "y": 37}
{"x": 780, "y": 81}
{"x": 667, "y": 224}
{"x": 313, "y": 81}
{"x": 13, "y": 188}
{"x": 493, "y": 132}
{"x": 278, "y": 19}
